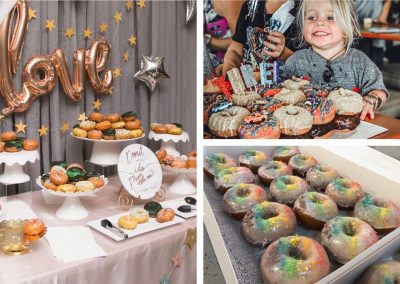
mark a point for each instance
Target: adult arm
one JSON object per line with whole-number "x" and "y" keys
{"x": 385, "y": 12}
{"x": 230, "y": 10}
{"x": 233, "y": 57}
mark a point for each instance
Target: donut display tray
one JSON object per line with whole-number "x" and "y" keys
{"x": 108, "y": 141}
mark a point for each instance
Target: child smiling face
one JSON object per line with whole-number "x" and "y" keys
{"x": 320, "y": 28}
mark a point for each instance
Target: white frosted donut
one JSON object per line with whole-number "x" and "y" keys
{"x": 383, "y": 272}
{"x": 293, "y": 120}
{"x": 243, "y": 99}
{"x": 295, "y": 83}
{"x": 225, "y": 123}
{"x": 290, "y": 97}
{"x": 346, "y": 102}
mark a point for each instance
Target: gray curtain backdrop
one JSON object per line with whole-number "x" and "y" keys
{"x": 160, "y": 30}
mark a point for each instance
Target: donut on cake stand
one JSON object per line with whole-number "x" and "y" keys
{"x": 169, "y": 141}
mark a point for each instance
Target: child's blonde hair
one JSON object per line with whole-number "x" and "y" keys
{"x": 344, "y": 15}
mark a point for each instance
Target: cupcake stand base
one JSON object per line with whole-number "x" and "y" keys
{"x": 13, "y": 168}
{"x": 72, "y": 209}
{"x": 182, "y": 185}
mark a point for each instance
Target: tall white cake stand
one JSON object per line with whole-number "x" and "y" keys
{"x": 169, "y": 141}
{"x": 106, "y": 152}
{"x": 14, "y": 162}
{"x": 182, "y": 184}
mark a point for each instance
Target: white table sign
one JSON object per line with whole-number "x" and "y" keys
{"x": 139, "y": 171}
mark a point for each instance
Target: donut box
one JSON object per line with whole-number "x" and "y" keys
{"x": 240, "y": 261}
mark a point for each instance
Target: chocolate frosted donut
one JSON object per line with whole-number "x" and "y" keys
{"x": 346, "y": 122}
{"x": 225, "y": 124}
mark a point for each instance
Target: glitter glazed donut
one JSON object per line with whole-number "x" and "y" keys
{"x": 286, "y": 189}
{"x": 259, "y": 126}
{"x": 347, "y": 237}
{"x": 319, "y": 176}
{"x": 294, "y": 260}
{"x": 284, "y": 153}
{"x": 383, "y": 272}
{"x": 231, "y": 176}
{"x": 253, "y": 159}
{"x": 344, "y": 192}
{"x": 241, "y": 197}
{"x": 271, "y": 170}
{"x": 268, "y": 221}
{"x": 214, "y": 163}
{"x": 293, "y": 120}
{"x": 301, "y": 163}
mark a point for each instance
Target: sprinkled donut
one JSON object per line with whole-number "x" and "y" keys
{"x": 300, "y": 163}
{"x": 319, "y": 176}
{"x": 380, "y": 213}
{"x": 225, "y": 123}
{"x": 290, "y": 97}
{"x": 268, "y": 105}
{"x": 294, "y": 260}
{"x": 284, "y": 153}
{"x": 315, "y": 209}
{"x": 295, "y": 83}
{"x": 346, "y": 102}
{"x": 259, "y": 126}
{"x": 344, "y": 192}
{"x": 268, "y": 221}
{"x": 347, "y": 237}
{"x": 271, "y": 170}
{"x": 214, "y": 163}
{"x": 286, "y": 189}
{"x": 253, "y": 159}
{"x": 231, "y": 176}
{"x": 293, "y": 120}
{"x": 322, "y": 110}
{"x": 385, "y": 272}
{"x": 214, "y": 103}
{"x": 241, "y": 197}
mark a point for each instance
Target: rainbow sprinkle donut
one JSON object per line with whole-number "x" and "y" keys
{"x": 294, "y": 260}
{"x": 286, "y": 189}
{"x": 300, "y": 164}
{"x": 231, "y": 176}
{"x": 380, "y": 213}
{"x": 273, "y": 169}
{"x": 241, "y": 197}
{"x": 214, "y": 163}
{"x": 284, "y": 153}
{"x": 347, "y": 237}
{"x": 344, "y": 192}
{"x": 268, "y": 221}
{"x": 319, "y": 176}
{"x": 253, "y": 159}
{"x": 383, "y": 272}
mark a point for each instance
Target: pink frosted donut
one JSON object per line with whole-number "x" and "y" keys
{"x": 241, "y": 197}
{"x": 284, "y": 153}
{"x": 294, "y": 260}
{"x": 214, "y": 163}
{"x": 347, "y": 237}
{"x": 253, "y": 159}
{"x": 322, "y": 110}
{"x": 344, "y": 192}
{"x": 268, "y": 221}
{"x": 319, "y": 176}
{"x": 271, "y": 170}
{"x": 259, "y": 126}
{"x": 231, "y": 176}
{"x": 286, "y": 189}
{"x": 300, "y": 163}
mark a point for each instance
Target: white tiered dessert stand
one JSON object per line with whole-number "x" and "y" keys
{"x": 168, "y": 141}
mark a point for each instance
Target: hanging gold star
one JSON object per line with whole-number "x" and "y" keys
{"x": 191, "y": 237}
{"x": 87, "y": 33}
{"x": 97, "y": 104}
{"x": 50, "y": 25}
{"x": 1, "y": 117}
{"x": 129, "y": 5}
{"x": 125, "y": 56}
{"x": 141, "y": 4}
{"x": 82, "y": 117}
{"x": 43, "y": 130}
{"x": 117, "y": 72}
{"x": 110, "y": 91}
{"x": 31, "y": 14}
{"x": 132, "y": 40}
{"x": 69, "y": 33}
{"x": 65, "y": 127}
{"x": 103, "y": 27}
{"x": 20, "y": 127}
{"x": 117, "y": 17}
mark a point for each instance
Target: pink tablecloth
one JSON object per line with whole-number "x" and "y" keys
{"x": 143, "y": 259}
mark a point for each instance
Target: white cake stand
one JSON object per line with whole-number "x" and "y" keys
{"x": 72, "y": 207}
{"x": 13, "y": 169}
{"x": 182, "y": 184}
{"x": 169, "y": 141}
{"x": 106, "y": 152}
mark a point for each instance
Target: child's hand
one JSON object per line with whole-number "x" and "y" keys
{"x": 226, "y": 67}
{"x": 368, "y": 108}
{"x": 276, "y": 46}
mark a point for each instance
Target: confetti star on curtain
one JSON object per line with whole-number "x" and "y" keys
{"x": 117, "y": 17}
{"x": 43, "y": 130}
{"x": 97, "y": 104}
{"x": 125, "y": 56}
{"x": 103, "y": 27}
{"x": 110, "y": 91}
{"x": 117, "y": 72}
{"x": 50, "y": 25}
{"x": 87, "y": 33}
{"x": 65, "y": 127}
{"x": 132, "y": 40}
{"x": 129, "y": 5}
{"x": 141, "y": 4}
{"x": 20, "y": 127}
{"x": 69, "y": 33}
{"x": 82, "y": 117}
{"x": 31, "y": 14}
{"x": 177, "y": 260}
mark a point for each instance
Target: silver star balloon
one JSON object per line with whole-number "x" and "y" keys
{"x": 190, "y": 10}
{"x": 151, "y": 71}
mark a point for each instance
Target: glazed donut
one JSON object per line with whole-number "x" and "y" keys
{"x": 191, "y": 163}
{"x": 114, "y": 117}
{"x": 118, "y": 125}
{"x": 84, "y": 186}
{"x": 382, "y": 272}
{"x": 129, "y": 116}
{"x": 136, "y": 133}
{"x": 33, "y": 227}
{"x": 295, "y": 83}
{"x": 175, "y": 131}
{"x": 253, "y": 159}
{"x": 268, "y": 105}
{"x": 290, "y": 97}
{"x": 68, "y": 187}
{"x": 141, "y": 216}
{"x": 242, "y": 100}
{"x": 344, "y": 192}
{"x": 8, "y": 136}
{"x": 319, "y": 176}
{"x": 87, "y": 125}
{"x": 127, "y": 222}
{"x": 380, "y": 213}
{"x": 165, "y": 215}
{"x": 322, "y": 110}
{"x": 294, "y": 260}
{"x": 231, "y": 176}
{"x": 214, "y": 163}
{"x": 2, "y": 146}
{"x": 160, "y": 129}
{"x": 96, "y": 181}
{"x": 346, "y": 102}
{"x": 293, "y": 120}
{"x": 284, "y": 153}
{"x": 301, "y": 163}
{"x": 132, "y": 125}
{"x": 49, "y": 185}
{"x": 95, "y": 134}
{"x": 161, "y": 154}
{"x": 178, "y": 163}
{"x": 103, "y": 125}
{"x": 79, "y": 132}
{"x": 315, "y": 209}
{"x": 241, "y": 197}
{"x": 96, "y": 117}
{"x": 58, "y": 175}
{"x": 259, "y": 126}
{"x": 225, "y": 124}
{"x": 347, "y": 237}
{"x": 192, "y": 154}
{"x": 30, "y": 144}
{"x": 122, "y": 134}
{"x": 271, "y": 170}
{"x": 286, "y": 189}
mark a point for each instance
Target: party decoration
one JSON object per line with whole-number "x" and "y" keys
{"x": 43, "y": 130}
{"x": 125, "y": 56}
{"x": 110, "y": 90}
{"x": 141, "y": 4}
{"x": 152, "y": 71}
{"x": 31, "y": 14}
{"x": 50, "y": 25}
{"x": 97, "y": 104}
{"x": 190, "y": 10}
{"x": 82, "y": 117}
{"x": 129, "y": 5}
{"x": 5, "y": 8}
{"x": 103, "y": 27}
{"x": 117, "y": 72}
{"x": 132, "y": 40}
{"x": 20, "y": 127}
{"x": 87, "y": 33}
{"x": 117, "y": 17}
{"x": 248, "y": 76}
{"x": 176, "y": 260}
{"x": 191, "y": 237}
{"x": 65, "y": 127}
{"x": 69, "y": 33}
{"x": 236, "y": 81}
{"x": 165, "y": 280}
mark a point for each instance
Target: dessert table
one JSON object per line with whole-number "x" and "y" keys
{"x": 142, "y": 259}
{"x": 365, "y": 33}
{"x": 392, "y": 124}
